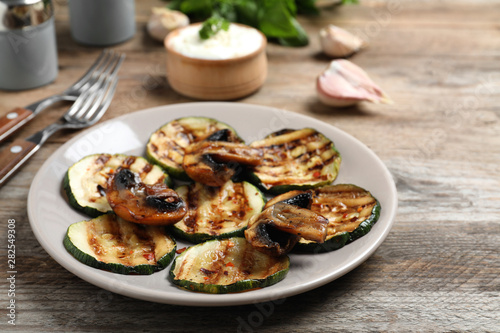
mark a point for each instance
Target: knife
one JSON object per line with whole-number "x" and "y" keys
{"x": 18, "y": 117}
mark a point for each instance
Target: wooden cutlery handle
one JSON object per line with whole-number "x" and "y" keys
{"x": 13, "y": 120}
{"x": 14, "y": 156}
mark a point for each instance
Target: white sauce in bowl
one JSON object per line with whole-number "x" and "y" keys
{"x": 237, "y": 41}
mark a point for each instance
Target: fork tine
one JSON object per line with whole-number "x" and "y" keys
{"x": 105, "y": 94}
{"x": 105, "y": 103}
{"x": 96, "y": 93}
{"x": 92, "y": 103}
{"x": 98, "y": 72}
{"x": 85, "y": 77}
{"x": 81, "y": 105}
{"x": 87, "y": 97}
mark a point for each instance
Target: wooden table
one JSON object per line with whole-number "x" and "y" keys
{"x": 437, "y": 271}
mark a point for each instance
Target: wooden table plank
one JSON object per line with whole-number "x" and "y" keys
{"x": 437, "y": 271}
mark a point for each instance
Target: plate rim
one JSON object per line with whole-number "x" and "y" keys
{"x": 195, "y": 299}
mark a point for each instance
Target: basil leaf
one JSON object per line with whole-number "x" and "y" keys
{"x": 275, "y": 19}
{"x": 225, "y": 9}
{"x": 195, "y": 9}
{"x": 212, "y": 26}
{"x": 247, "y": 12}
{"x": 307, "y": 7}
{"x": 301, "y": 38}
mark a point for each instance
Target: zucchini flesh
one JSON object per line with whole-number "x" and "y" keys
{"x": 351, "y": 212}
{"x": 167, "y": 145}
{"x": 225, "y": 266}
{"x": 295, "y": 159}
{"x": 111, "y": 243}
{"x": 85, "y": 181}
{"x": 217, "y": 212}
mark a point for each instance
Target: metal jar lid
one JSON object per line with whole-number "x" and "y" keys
{"x": 21, "y": 14}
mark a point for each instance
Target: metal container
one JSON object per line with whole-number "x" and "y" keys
{"x": 102, "y": 22}
{"x": 28, "y": 51}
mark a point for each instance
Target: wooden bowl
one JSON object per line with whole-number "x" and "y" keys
{"x": 208, "y": 79}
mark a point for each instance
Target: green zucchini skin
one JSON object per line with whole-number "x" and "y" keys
{"x": 200, "y": 237}
{"x": 74, "y": 246}
{"x": 166, "y": 145}
{"x": 220, "y": 282}
{"x": 366, "y": 225}
{"x": 340, "y": 240}
{"x": 292, "y": 158}
{"x": 78, "y": 181}
{"x": 73, "y": 201}
{"x": 334, "y": 243}
{"x": 233, "y": 217}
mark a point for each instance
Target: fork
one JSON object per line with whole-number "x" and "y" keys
{"x": 87, "y": 109}
{"x": 18, "y": 117}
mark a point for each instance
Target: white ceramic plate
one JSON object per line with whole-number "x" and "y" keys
{"x": 50, "y": 215}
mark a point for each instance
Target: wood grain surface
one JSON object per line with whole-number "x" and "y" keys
{"x": 437, "y": 271}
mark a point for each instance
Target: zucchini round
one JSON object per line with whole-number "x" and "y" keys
{"x": 166, "y": 145}
{"x": 217, "y": 212}
{"x": 226, "y": 266}
{"x": 85, "y": 181}
{"x": 295, "y": 159}
{"x": 351, "y": 212}
{"x": 110, "y": 243}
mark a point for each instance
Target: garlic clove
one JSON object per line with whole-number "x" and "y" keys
{"x": 344, "y": 84}
{"x": 337, "y": 42}
{"x": 164, "y": 20}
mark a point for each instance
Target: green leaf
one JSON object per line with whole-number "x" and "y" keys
{"x": 225, "y": 9}
{"x": 301, "y": 38}
{"x": 307, "y": 7}
{"x": 275, "y": 19}
{"x": 247, "y": 12}
{"x": 212, "y": 26}
{"x": 175, "y": 4}
{"x": 195, "y": 9}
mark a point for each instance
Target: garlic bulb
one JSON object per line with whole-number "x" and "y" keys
{"x": 164, "y": 20}
{"x": 337, "y": 42}
{"x": 344, "y": 83}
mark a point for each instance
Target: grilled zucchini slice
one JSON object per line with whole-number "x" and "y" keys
{"x": 85, "y": 181}
{"x": 351, "y": 212}
{"x": 295, "y": 159}
{"x": 166, "y": 146}
{"x": 111, "y": 243}
{"x": 226, "y": 266}
{"x": 217, "y": 212}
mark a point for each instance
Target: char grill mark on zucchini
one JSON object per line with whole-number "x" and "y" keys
{"x": 167, "y": 145}
{"x": 346, "y": 206}
{"x": 225, "y": 266}
{"x": 110, "y": 243}
{"x": 217, "y": 212}
{"x": 351, "y": 212}
{"x": 86, "y": 181}
{"x": 295, "y": 159}
{"x": 213, "y": 163}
